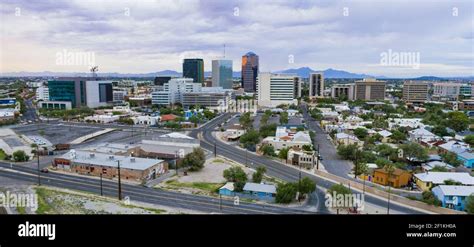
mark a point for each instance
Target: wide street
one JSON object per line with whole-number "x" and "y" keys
{"x": 274, "y": 168}
{"x": 138, "y": 193}
{"x": 332, "y": 163}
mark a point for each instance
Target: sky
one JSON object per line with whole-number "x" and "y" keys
{"x": 397, "y": 38}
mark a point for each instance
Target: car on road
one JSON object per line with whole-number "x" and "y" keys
{"x": 44, "y": 170}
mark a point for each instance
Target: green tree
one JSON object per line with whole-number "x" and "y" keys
{"x": 347, "y": 152}
{"x": 361, "y": 133}
{"x": 339, "y": 189}
{"x": 398, "y": 136}
{"x": 195, "y": 160}
{"x": 307, "y": 186}
{"x": 246, "y": 120}
{"x": 439, "y": 169}
{"x": 284, "y": 117}
{"x": 250, "y": 138}
{"x": 361, "y": 168}
{"x": 268, "y": 130}
{"x": 451, "y": 182}
{"x": 451, "y": 158}
{"x": 469, "y": 204}
{"x": 469, "y": 139}
{"x": 458, "y": 120}
{"x": 307, "y": 147}
{"x": 430, "y": 198}
{"x": 283, "y": 154}
{"x": 268, "y": 150}
{"x": 414, "y": 151}
{"x": 382, "y": 162}
{"x": 286, "y": 193}
{"x": 209, "y": 114}
{"x": 385, "y": 150}
{"x": 236, "y": 175}
{"x": 258, "y": 175}
{"x": 20, "y": 156}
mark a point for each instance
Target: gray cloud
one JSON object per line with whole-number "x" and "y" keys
{"x": 157, "y": 34}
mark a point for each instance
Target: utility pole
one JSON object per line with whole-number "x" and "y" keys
{"x": 101, "y": 193}
{"x": 119, "y": 182}
{"x": 215, "y": 150}
{"x": 38, "y": 161}
{"x": 299, "y": 182}
{"x": 388, "y": 200}
{"x": 176, "y": 161}
{"x": 220, "y": 202}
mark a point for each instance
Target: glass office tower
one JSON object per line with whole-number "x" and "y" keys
{"x": 194, "y": 68}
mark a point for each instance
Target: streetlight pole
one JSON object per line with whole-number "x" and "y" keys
{"x": 119, "y": 182}
{"x": 101, "y": 193}
{"x": 388, "y": 200}
{"x": 176, "y": 161}
{"x": 215, "y": 150}
{"x": 38, "y": 162}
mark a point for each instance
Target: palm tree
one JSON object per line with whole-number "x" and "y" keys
{"x": 390, "y": 168}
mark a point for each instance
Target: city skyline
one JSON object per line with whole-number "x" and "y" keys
{"x": 148, "y": 36}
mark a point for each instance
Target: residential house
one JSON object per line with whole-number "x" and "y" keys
{"x": 260, "y": 191}
{"x": 421, "y": 134}
{"x": 399, "y": 178}
{"x": 385, "y": 135}
{"x": 227, "y": 189}
{"x": 453, "y": 196}
{"x": 287, "y": 138}
{"x": 432, "y": 164}
{"x": 427, "y": 180}
{"x": 346, "y": 139}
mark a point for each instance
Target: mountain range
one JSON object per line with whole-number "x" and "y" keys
{"x": 302, "y": 72}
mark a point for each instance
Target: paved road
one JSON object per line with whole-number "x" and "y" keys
{"x": 332, "y": 162}
{"x": 275, "y": 169}
{"x": 143, "y": 194}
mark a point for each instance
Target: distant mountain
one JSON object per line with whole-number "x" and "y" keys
{"x": 302, "y": 72}
{"x": 328, "y": 73}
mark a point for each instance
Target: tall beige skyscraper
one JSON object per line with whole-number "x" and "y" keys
{"x": 369, "y": 89}
{"x": 415, "y": 92}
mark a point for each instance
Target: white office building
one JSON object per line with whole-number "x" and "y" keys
{"x": 98, "y": 93}
{"x": 173, "y": 90}
{"x": 42, "y": 93}
{"x": 276, "y": 89}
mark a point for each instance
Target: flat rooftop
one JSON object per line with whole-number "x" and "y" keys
{"x": 108, "y": 160}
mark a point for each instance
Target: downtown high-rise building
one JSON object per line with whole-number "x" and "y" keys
{"x": 415, "y": 92}
{"x": 194, "y": 68}
{"x": 316, "y": 85}
{"x": 222, "y": 73}
{"x": 249, "y": 72}
{"x": 277, "y": 89}
{"x": 369, "y": 89}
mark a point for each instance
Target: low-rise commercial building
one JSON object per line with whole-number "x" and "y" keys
{"x": 95, "y": 164}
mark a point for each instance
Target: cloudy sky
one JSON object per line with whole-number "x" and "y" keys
{"x": 139, "y": 36}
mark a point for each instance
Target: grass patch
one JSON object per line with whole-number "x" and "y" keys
{"x": 21, "y": 210}
{"x": 217, "y": 161}
{"x": 209, "y": 187}
{"x": 43, "y": 206}
{"x": 3, "y": 155}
